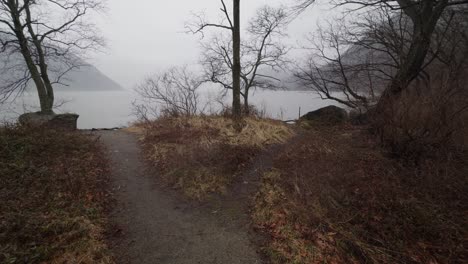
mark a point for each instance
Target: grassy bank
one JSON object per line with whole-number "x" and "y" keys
{"x": 334, "y": 196}
{"x": 50, "y": 188}
{"x": 203, "y": 155}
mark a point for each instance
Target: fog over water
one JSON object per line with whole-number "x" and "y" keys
{"x": 114, "y": 108}
{"x": 146, "y": 36}
{"x": 149, "y": 36}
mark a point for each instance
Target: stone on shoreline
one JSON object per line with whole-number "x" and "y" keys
{"x": 58, "y": 121}
{"x": 329, "y": 115}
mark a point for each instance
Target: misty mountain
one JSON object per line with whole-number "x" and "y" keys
{"x": 287, "y": 80}
{"x": 367, "y": 63}
{"x": 84, "y": 78}
{"x": 88, "y": 78}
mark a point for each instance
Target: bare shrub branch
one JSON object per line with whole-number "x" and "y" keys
{"x": 173, "y": 93}
{"x": 262, "y": 54}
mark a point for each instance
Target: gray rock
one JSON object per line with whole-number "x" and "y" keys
{"x": 57, "y": 121}
{"x": 35, "y": 119}
{"x": 328, "y": 115}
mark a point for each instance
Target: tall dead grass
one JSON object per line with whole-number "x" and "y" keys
{"x": 335, "y": 197}
{"x": 430, "y": 116}
{"x": 204, "y": 154}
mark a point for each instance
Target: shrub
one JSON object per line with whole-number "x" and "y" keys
{"x": 334, "y": 196}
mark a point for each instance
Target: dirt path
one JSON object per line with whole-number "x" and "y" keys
{"x": 157, "y": 227}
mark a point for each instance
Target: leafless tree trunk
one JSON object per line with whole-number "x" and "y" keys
{"x": 424, "y": 16}
{"x": 261, "y": 54}
{"x": 45, "y": 31}
{"x": 234, "y": 27}
{"x": 236, "y": 66}
{"x": 423, "y": 47}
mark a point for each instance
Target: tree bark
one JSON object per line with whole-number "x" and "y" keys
{"x": 46, "y": 103}
{"x": 424, "y": 22}
{"x": 236, "y": 67}
{"x": 49, "y": 98}
{"x": 413, "y": 63}
{"x": 246, "y": 103}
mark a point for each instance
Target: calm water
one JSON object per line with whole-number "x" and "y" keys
{"x": 114, "y": 109}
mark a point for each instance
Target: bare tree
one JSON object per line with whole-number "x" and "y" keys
{"x": 233, "y": 25}
{"x": 50, "y": 36}
{"x": 262, "y": 54}
{"x": 175, "y": 91}
{"x": 387, "y": 30}
{"x": 331, "y": 72}
{"x": 361, "y": 59}
{"x": 424, "y": 16}
{"x": 353, "y": 61}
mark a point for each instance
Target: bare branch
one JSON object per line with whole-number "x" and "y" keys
{"x": 199, "y": 23}
{"x": 261, "y": 53}
{"x": 50, "y": 37}
{"x": 175, "y": 92}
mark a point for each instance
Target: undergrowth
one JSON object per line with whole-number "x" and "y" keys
{"x": 51, "y": 203}
{"x": 203, "y": 155}
{"x": 334, "y": 196}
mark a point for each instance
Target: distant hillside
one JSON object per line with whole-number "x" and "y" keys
{"x": 370, "y": 65}
{"x": 85, "y": 78}
{"x": 89, "y": 78}
{"x": 288, "y": 81}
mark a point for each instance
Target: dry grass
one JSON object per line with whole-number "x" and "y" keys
{"x": 51, "y": 193}
{"x": 427, "y": 117}
{"x": 203, "y": 155}
{"x": 334, "y": 197}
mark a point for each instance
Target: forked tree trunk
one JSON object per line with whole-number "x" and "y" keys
{"x": 384, "y": 115}
{"x": 49, "y": 98}
{"x": 424, "y": 23}
{"x": 409, "y": 70}
{"x": 39, "y": 76}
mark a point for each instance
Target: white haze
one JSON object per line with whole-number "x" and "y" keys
{"x": 108, "y": 109}
{"x": 147, "y": 36}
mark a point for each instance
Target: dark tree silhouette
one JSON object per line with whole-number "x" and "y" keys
{"x": 46, "y": 32}
{"x": 261, "y": 54}
{"x": 233, "y": 25}
{"x": 414, "y": 55}
{"x": 424, "y": 16}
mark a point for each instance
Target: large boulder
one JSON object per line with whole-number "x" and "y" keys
{"x": 57, "y": 121}
{"x": 329, "y": 115}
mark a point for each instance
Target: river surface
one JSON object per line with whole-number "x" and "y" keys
{"x": 114, "y": 108}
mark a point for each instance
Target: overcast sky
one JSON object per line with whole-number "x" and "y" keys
{"x": 145, "y": 36}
